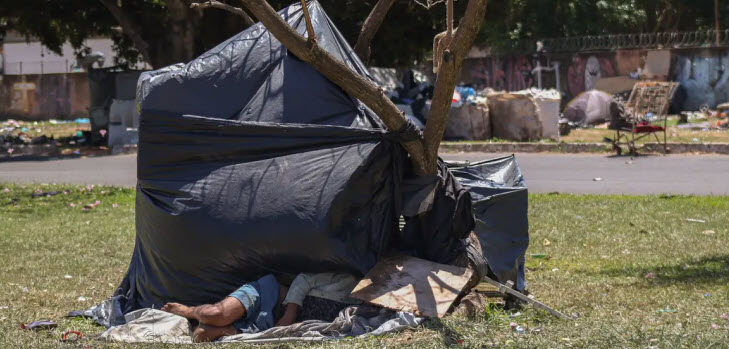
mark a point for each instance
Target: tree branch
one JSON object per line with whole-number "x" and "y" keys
{"x": 445, "y": 82}
{"x": 338, "y": 73}
{"x": 219, "y": 5}
{"x": 370, "y": 27}
{"x": 129, "y": 27}
{"x": 307, "y": 18}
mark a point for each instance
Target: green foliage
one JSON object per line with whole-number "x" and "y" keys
{"x": 404, "y": 38}
{"x": 509, "y": 21}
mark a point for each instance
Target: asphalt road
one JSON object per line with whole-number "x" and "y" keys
{"x": 544, "y": 173}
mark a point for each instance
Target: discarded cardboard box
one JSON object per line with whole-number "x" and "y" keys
{"x": 411, "y": 284}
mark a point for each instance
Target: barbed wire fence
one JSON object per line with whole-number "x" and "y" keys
{"x": 428, "y": 3}
{"x": 662, "y": 40}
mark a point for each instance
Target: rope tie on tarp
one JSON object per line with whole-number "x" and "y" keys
{"x": 408, "y": 132}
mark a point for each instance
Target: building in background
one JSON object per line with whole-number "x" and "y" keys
{"x": 38, "y": 84}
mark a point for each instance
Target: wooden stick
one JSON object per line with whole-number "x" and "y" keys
{"x": 449, "y": 18}
{"x": 508, "y": 289}
{"x": 309, "y": 26}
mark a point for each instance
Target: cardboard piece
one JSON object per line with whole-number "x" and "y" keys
{"x": 657, "y": 65}
{"x": 411, "y": 284}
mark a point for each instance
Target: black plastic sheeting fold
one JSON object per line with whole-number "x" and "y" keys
{"x": 500, "y": 205}
{"x": 250, "y": 162}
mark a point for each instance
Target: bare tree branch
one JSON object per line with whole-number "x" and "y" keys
{"x": 448, "y": 70}
{"x": 338, "y": 73}
{"x": 307, "y": 18}
{"x": 370, "y": 27}
{"x": 129, "y": 27}
{"x": 219, "y": 5}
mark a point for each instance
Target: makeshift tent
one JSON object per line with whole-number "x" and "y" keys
{"x": 589, "y": 107}
{"x": 251, "y": 162}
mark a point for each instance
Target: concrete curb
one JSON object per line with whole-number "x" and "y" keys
{"x": 447, "y": 147}
{"x": 30, "y": 150}
{"x": 570, "y": 148}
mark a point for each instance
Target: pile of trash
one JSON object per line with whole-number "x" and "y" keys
{"x": 476, "y": 114}
{"x": 18, "y": 133}
{"x": 14, "y": 132}
{"x": 705, "y": 119}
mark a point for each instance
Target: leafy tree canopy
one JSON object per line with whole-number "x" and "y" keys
{"x": 168, "y": 31}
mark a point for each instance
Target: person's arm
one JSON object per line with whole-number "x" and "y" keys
{"x": 289, "y": 316}
{"x": 300, "y": 287}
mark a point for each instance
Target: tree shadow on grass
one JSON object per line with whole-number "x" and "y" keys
{"x": 705, "y": 270}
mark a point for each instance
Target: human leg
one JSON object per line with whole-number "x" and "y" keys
{"x": 207, "y": 333}
{"x": 220, "y": 314}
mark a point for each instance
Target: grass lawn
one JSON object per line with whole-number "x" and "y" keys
{"x": 634, "y": 270}
{"x": 674, "y": 134}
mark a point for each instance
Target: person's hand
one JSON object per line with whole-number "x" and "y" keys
{"x": 289, "y": 316}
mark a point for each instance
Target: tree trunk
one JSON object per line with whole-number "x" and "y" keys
{"x": 445, "y": 82}
{"x": 129, "y": 27}
{"x": 369, "y": 29}
{"x": 182, "y": 36}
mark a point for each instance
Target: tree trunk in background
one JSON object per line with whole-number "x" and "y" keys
{"x": 130, "y": 27}
{"x": 182, "y": 22}
{"x": 716, "y": 22}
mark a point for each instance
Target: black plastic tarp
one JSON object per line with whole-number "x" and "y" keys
{"x": 250, "y": 162}
{"x": 500, "y": 204}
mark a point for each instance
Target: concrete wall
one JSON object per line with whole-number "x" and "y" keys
{"x": 43, "y": 97}
{"x": 703, "y": 73}
{"x": 22, "y": 58}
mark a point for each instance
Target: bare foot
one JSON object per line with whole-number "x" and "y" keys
{"x": 178, "y": 309}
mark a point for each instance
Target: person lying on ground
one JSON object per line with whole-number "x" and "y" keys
{"x": 255, "y": 306}
{"x": 251, "y": 308}
{"x": 317, "y": 297}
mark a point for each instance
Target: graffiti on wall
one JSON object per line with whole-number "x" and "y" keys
{"x": 584, "y": 71}
{"x": 511, "y": 73}
{"x": 703, "y": 80}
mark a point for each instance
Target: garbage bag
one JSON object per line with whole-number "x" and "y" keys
{"x": 500, "y": 205}
{"x": 438, "y": 216}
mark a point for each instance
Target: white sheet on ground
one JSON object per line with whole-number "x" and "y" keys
{"x": 156, "y": 326}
